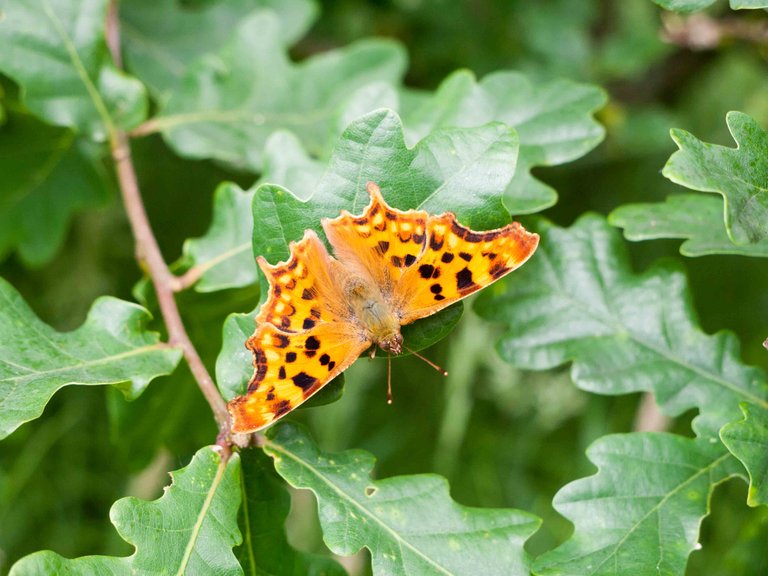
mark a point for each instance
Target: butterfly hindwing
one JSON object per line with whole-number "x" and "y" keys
{"x": 457, "y": 262}
{"x": 290, "y": 368}
{"x": 304, "y": 337}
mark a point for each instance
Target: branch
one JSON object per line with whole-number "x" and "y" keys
{"x": 148, "y": 253}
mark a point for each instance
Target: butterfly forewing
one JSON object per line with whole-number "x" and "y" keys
{"x": 457, "y": 262}
{"x": 382, "y": 243}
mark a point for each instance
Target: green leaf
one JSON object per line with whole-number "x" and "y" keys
{"x": 464, "y": 170}
{"x": 553, "y": 120}
{"x": 684, "y": 5}
{"x": 747, "y": 439}
{"x": 48, "y": 175}
{"x": 577, "y": 300}
{"x": 697, "y": 218}
{"x": 739, "y": 174}
{"x": 55, "y": 50}
{"x": 228, "y": 105}
{"x": 191, "y": 529}
{"x": 223, "y": 257}
{"x": 161, "y": 38}
{"x": 266, "y": 503}
{"x": 696, "y": 5}
{"x": 641, "y": 513}
{"x": 409, "y": 523}
{"x": 112, "y": 347}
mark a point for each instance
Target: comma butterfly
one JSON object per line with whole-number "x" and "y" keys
{"x": 391, "y": 268}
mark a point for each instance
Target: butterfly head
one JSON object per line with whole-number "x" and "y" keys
{"x": 392, "y": 343}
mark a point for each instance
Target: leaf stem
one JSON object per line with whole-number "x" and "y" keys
{"x": 148, "y": 253}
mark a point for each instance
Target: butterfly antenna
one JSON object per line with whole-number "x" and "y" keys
{"x": 389, "y": 378}
{"x": 435, "y": 366}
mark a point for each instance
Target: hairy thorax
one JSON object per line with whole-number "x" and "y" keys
{"x": 373, "y": 313}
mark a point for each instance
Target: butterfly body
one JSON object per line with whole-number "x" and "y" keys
{"x": 390, "y": 268}
{"x": 369, "y": 309}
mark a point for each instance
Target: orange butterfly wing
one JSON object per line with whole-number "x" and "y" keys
{"x": 307, "y": 334}
{"x": 424, "y": 263}
{"x": 304, "y": 337}
{"x": 381, "y": 243}
{"x": 457, "y": 262}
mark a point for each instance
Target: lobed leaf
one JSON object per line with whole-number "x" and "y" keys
{"x": 464, "y": 170}
{"x": 48, "y": 174}
{"x": 161, "y": 38}
{"x": 697, "y": 218}
{"x": 111, "y": 347}
{"x": 641, "y": 513}
{"x": 577, "y": 300}
{"x": 696, "y": 5}
{"x": 553, "y": 120}
{"x": 224, "y": 255}
{"x": 191, "y": 529}
{"x": 55, "y": 50}
{"x": 229, "y": 104}
{"x": 266, "y": 502}
{"x": 409, "y": 523}
{"x": 747, "y": 439}
{"x": 738, "y": 174}
{"x": 684, "y": 5}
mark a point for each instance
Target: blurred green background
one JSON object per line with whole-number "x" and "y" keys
{"x": 502, "y": 437}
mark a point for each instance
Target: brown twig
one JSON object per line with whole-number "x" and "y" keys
{"x": 148, "y": 253}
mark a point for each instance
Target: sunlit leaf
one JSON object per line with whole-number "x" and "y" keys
{"x": 553, "y": 120}
{"x": 641, "y": 512}
{"x": 191, "y": 529}
{"x": 111, "y": 347}
{"x": 409, "y": 523}
{"x": 738, "y": 174}
{"x": 55, "y": 50}
{"x": 230, "y": 103}
{"x": 578, "y": 301}
{"x": 161, "y": 38}
{"x": 223, "y": 257}
{"x": 695, "y": 217}
{"x": 747, "y": 439}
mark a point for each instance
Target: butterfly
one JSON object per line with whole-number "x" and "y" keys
{"x": 391, "y": 268}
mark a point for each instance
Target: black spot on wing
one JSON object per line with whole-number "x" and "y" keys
{"x": 281, "y": 340}
{"x": 426, "y": 271}
{"x": 325, "y": 359}
{"x": 312, "y": 343}
{"x": 281, "y": 408}
{"x": 281, "y": 373}
{"x": 307, "y": 295}
{"x": 447, "y": 258}
{"x": 464, "y": 256}
{"x": 436, "y": 288}
{"x": 308, "y": 323}
{"x": 410, "y": 259}
{"x": 383, "y": 246}
{"x": 464, "y": 279}
{"x": 290, "y": 357}
{"x": 304, "y": 380}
